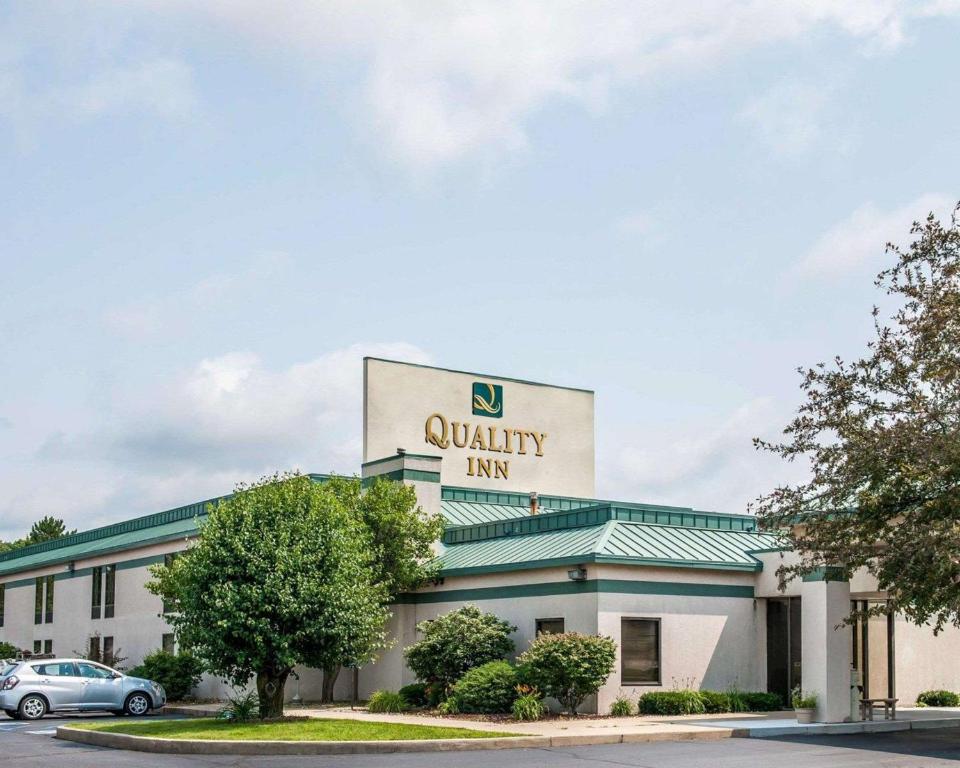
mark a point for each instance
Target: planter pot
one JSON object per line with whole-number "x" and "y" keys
{"x": 804, "y": 715}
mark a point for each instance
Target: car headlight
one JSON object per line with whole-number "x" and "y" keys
{"x": 157, "y": 688}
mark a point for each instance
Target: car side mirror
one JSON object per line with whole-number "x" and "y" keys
{"x": 116, "y": 676}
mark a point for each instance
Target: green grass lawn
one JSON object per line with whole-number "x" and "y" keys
{"x": 294, "y": 729}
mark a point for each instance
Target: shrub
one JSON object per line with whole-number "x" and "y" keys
{"x": 8, "y": 651}
{"x": 415, "y": 694}
{"x": 449, "y": 707}
{"x": 456, "y": 642}
{"x": 715, "y": 702}
{"x": 800, "y": 701}
{"x": 568, "y": 666}
{"x": 488, "y": 689}
{"x": 621, "y": 706}
{"x": 241, "y": 707}
{"x": 759, "y": 701}
{"x": 528, "y": 705}
{"x": 671, "y": 703}
{"x": 178, "y": 673}
{"x": 387, "y": 701}
{"x": 938, "y": 699}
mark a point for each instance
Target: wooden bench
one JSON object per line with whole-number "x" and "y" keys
{"x": 889, "y": 708}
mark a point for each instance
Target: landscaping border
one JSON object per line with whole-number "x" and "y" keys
{"x": 254, "y": 747}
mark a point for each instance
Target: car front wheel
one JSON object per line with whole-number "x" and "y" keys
{"x": 32, "y": 707}
{"x": 137, "y": 704}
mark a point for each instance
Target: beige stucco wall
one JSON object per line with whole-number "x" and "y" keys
{"x": 399, "y": 398}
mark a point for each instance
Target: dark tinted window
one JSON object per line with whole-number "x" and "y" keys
{"x": 550, "y": 626}
{"x": 640, "y": 651}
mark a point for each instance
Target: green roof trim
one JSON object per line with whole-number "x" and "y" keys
{"x": 587, "y": 587}
{"x": 412, "y": 475}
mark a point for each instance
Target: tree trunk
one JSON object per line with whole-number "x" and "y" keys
{"x": 329, "y": 680}
{"x": 270, "y": 686}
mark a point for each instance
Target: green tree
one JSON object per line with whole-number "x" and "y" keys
{"x": 280, "y": 574}
{"x": 45, "y": 529}
{"x": 401, "y": 541}
{"x": 568, "y": 666}
{"x": 455, "y": 642}
{"x": 8, "y": 650}
{"x": 881, "y": 437}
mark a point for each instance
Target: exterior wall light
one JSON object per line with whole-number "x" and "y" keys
{"x": 577, "y": 574}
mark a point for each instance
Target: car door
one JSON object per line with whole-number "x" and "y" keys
{"x": 101, "y": 689}
{"x": 60, "y": 683}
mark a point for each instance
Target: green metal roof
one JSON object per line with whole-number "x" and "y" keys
{"x": 611, "y": 542}
{"x": 467, "y": 513}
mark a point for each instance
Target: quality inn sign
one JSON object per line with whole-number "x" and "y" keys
{"x": 487, "y": 402}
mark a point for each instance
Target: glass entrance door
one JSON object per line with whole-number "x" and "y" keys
{"x": 783, "y": 646}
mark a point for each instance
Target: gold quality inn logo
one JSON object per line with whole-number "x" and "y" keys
{"x": 487, "y": 400}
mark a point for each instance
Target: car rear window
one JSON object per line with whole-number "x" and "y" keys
{"x": 59, "y": 669}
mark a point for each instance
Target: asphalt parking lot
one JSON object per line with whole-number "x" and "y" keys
{"x": 31, "y": 745}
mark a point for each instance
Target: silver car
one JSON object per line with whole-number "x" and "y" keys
{"x": 31, "y": 689}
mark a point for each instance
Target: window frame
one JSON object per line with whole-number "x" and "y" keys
{"x": 658, "y": 623}
{"x": 38, "y": 583}
{"x": 168, "y": 646}
{"x": 96, "y": 592}
{"x": 3, "y": 602}
{"x": 109, "y": 591}
{"x": 537, "y": 622}
{"x": 48, "y": 646}
{"x": 48, "y": 600}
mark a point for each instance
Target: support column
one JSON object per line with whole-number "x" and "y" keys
{"x": 825, "y": 649}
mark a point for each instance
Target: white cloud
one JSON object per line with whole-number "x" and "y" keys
{"x": 227, "y": 419}
{"x": 444, "y": 80}
{"x": 163, "y": 87}
{"x": 790, "y": 117}
{"x": 860, "y": 238}
{"x": 712, "y": 466}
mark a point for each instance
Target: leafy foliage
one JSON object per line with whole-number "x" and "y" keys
{"x": 8, "y": 650}
{"x": 178, "y": 673}
{"x": 489, "y": 688}
{"x": 415, "y": 694}
{"x": 715, "y": 702}
{"x": 568, "y": 666}
{"x": 759, "y": 701}
{"x": 281, "y": 574}
{"x": 45, "y": 529}
{"x": 799, "y": 701}
{"x": 528, "y": 705}
{"x": 456, "y": 642}
{"x": 241, "y": 707}
{"x": 387, "y": 701}
{"x": 621, "y": 706}
{"x": 938, "y": 699}
{"x": 880, "y": 435}
{"x": 684, "y": 702}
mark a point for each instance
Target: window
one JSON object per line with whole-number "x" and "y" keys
{"x": 110, "y": 590}
{"x": 93, "y": 649}
{"x": 107, "y": 657}
{"x": 549, "y": 627}
{"x": 43, "y": 600}
{"x": 48, "y": 646}
{"x": 36, "y": 646}
{"x": 88, "y": 669}
{"x": 60, "y": 669}
{"x": 38, "y": 602}
{"x": 166, "y": 642}
{"x": 48, "y": 603}
{"x": 96, "y": 600}
{"x": 640, "y": 651}
{"x": 3, "y": 590}
{"x": 168, "y": 605}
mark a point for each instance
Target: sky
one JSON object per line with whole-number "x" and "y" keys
{"x": 211, "y": 211}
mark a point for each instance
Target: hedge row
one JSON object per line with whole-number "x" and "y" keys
{"x": 706, "y": 702}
